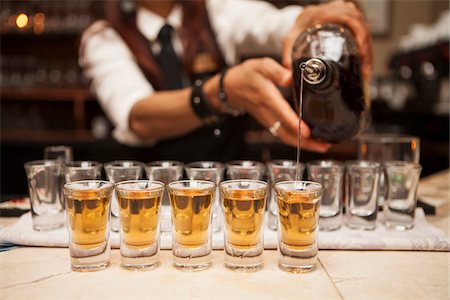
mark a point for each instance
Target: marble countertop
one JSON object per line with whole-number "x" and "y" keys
{"x": 43, "y": 273}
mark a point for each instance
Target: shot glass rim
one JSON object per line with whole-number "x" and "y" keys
{"x": 235, "y": 164}
{"x": 111, "y": 164}
{"x": 107, "y": 185}
{"x": 402, "y": 164}
{"x": 161, "y": 185}
{"x": 273, "y": 162}
{"x": 332, "y": 164}
{"x": 367, "y": 164}
{"x": 190, "y": 165}
{"x": 387, "y": 138}
{"x": 173, "y": 164}
{"x": 171, "y": 184}
{"x": 225, "y": 182}
{"x": 319, "y": 187}
{"x": 72, "y": 164}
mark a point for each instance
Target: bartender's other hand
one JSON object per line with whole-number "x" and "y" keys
{"x": 339, "y": 12}
{"x": 252, "y": 85}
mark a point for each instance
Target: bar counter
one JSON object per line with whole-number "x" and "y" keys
{"x": 42, "y": 273}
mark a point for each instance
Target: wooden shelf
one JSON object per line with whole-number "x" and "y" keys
{"x": 46, "y": 135}
{"x": 47, "y": 94}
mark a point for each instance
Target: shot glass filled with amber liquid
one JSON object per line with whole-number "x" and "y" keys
{"x": 243, "y": 203}
{"x": 298, "y": 215}
{"x": 88, "y": 207}
{"x": 139, "y": 210}
{"x": 191, "y": 204}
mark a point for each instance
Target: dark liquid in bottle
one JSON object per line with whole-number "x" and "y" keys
{"x": 335, "y": 108}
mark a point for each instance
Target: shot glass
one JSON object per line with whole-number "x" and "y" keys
{"x": 82, "y": 170}
{"x": 191, "y": 202}
{"x": 362, "y": 179}
{"x": 245, "y": 169}
{"x": 280, "y": 170}
{"x": 243, "y": 203}
{"x": 88, "y": 210}
{"x": 298, "y": 212}
{"x": 330, "y": 175}
{"x": 400, "y": 205}
{"x": 209, "y": 171}
{"x": 139, "y": 204}
{"x": 45, "y": 188}
{"x": 59, "y": 152}
{"x": 165, "y": 171}
{"x": 117, "y": 171}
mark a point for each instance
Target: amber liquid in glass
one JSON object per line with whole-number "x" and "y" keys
{"x": 298, "y": 213}
{"x": 88, "y": 214}
{"x": 243, "y": 211}
{"x": 139, "y": 219}
{"x": 191, "y": 216}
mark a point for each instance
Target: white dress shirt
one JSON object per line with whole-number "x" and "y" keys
{"x": 240, "y": 27}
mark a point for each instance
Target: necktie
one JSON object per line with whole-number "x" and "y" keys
{"x": 168, "y": 60}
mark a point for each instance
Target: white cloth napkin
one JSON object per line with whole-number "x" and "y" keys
{"x": 423, "y": 237}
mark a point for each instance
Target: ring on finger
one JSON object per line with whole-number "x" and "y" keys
{"x": 274, "y": 128}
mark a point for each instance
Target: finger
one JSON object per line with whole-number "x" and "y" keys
{"x": 274, "y": 71}
{"x": 314, "y": 145}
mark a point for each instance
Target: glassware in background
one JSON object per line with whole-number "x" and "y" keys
{"x": 279, "y": 170}
{"x": 117, "y": 171}
{"x": 243, "y": 203}
{"x": 82, "y": 170}
{"x": 298, "y": 210}
{"x": 388, "y": 147}
{"x": 245, "y": 169}
{"x": 139, "y": 203}
{"x": 330, "y": 174}
{"x": 210, "y": 171}
{"x": 88, "y": 210}
{"x": 60, "y": 152}
{"x": 362, "y": 180}
{"x": 45, "y": 186}
{"x": 192, "y": 202}
{"x": 402, "y": 179}
{"x": 165, "y": 171}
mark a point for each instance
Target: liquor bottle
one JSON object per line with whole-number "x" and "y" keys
{"x": 334, "y": 99}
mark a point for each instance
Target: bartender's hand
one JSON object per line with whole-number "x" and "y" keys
{"x": 252, "y": 85}
{"x": 339, "y": 12}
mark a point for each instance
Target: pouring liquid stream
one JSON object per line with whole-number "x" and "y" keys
{"x": 300, "y": 108}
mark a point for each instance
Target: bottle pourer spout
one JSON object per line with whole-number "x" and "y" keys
{"x": 314, "y": 70}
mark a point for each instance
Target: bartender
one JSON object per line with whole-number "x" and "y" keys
{"x": 166, "y": 72}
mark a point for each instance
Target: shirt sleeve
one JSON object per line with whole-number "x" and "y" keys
{"x": 116, "y": 78}
{"x": 250, "y": 27}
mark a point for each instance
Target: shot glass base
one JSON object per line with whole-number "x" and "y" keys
{"x": 361, "y": 226}
{"x": 192, "y": 263}
{"x": 46, "y": 223}
{"x": 140, "y": 263}
{"x": 398, "y": 226}
{"x": 80, "y": 267}
{"x": 330, "y": 223}
{"x": 297, "y": 265}
{"x": 244, "y": 264}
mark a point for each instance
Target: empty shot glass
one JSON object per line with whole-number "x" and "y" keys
{"x": 330, "y": 174}
{"x": 45, "y": 189}
{"x": 88, "y": 211}
{"x": 361, "y": 187}
{"x": 280, "y": 170}
{"x": 210, "y": 171}
{"x": 139, "y": 205}
{"x": 245, "y": 169}
{"x": 400, "y": 205}
{"x": 165, "y": 171}
{"x": 243, "y": 203}
{"x": 82, "y": 170}
{"x": 298, "y": 212}
{"x": 117, "y": 171}
{"x": 191, "y": 203}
